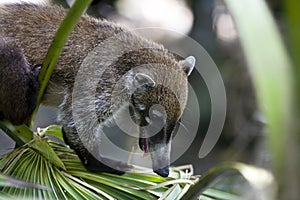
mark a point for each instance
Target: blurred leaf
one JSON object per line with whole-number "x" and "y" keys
{"x": 292, "y": 17}
{"x": 261, "y": 180}
{"x": 271, "y": 70}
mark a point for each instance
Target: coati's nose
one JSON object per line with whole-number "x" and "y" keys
{"x": 164, "y": 172}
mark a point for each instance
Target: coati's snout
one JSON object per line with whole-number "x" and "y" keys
{"x": 157, "y": 142}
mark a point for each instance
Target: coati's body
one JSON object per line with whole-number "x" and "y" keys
{"x": 31, "y": 29}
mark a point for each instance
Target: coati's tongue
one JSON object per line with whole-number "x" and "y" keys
{"x": 145, "y": 147}
{"x": 143, "y": 143}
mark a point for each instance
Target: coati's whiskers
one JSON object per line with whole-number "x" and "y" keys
{"x": 183, "y": 126}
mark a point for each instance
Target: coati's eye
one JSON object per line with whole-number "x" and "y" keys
{"x": 141, "y": 107}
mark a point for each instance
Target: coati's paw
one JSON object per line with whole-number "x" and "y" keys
{"x": 107, "y": 165}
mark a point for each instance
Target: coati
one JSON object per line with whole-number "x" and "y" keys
{"x": 137, "y": 73}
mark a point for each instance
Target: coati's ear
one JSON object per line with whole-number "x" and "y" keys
{"x": 188, "y": 64}
{"x": 141, "y": 79}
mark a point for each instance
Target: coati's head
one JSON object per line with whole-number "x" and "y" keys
{"x": 158, "y": 98}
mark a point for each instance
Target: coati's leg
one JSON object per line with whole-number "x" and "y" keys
{"x": 71, "y": 137}
{"x": 89, "y": 161}
{"x": 18, "y": 83}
